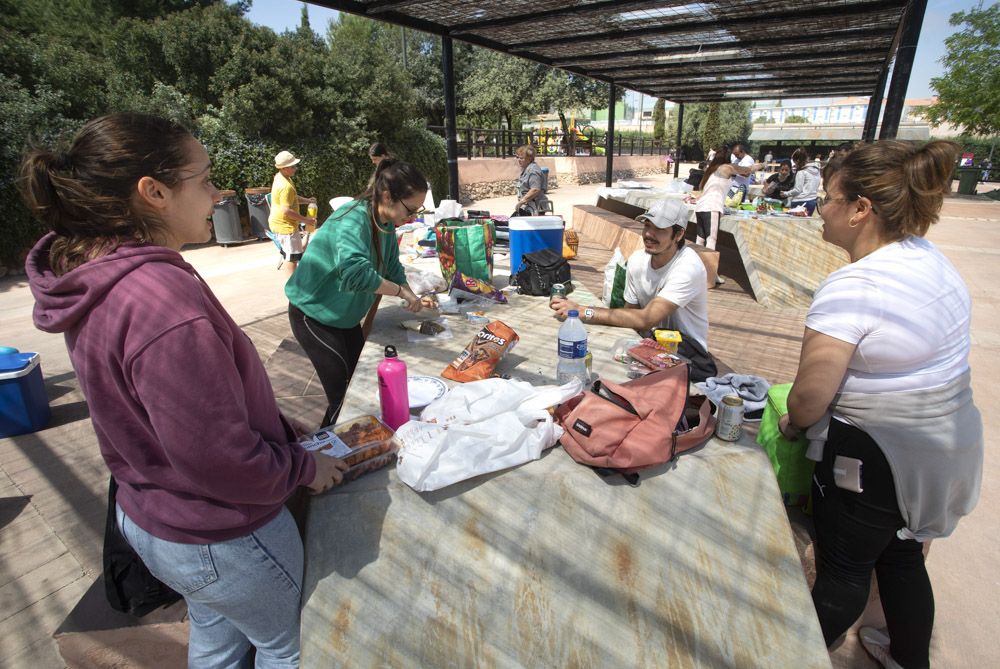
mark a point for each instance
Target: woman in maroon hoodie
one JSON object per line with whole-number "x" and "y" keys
{"x": 183, "y": 409}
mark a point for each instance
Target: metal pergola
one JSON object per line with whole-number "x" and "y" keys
{"x": 683, "y": 51}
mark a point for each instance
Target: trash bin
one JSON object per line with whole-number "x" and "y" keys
{"x": 259, "y": 211}
{"x": 545, "y": 180}
{"x": 968, "y": 177}
{"x": 226, "y": 220}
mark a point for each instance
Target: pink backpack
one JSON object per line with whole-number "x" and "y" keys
{"x": 641, "y": 423}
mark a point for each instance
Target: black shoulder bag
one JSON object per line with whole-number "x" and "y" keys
{"x": 539, "y": 270}
{"x": 128, "y": 584}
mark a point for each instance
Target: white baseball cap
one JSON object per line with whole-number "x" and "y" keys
{"x": 285, "y": 159}
{"x": 666, "y": 213}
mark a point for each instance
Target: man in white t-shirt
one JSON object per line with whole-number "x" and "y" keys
{"x": 666, "y": 284}
{"x": 744, "y": 164}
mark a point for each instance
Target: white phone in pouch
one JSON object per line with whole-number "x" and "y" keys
{"x": 847, "y": 473}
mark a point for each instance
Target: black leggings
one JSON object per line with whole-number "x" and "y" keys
{"x": 334, "y": 353}
{"x": 856, "y": 533}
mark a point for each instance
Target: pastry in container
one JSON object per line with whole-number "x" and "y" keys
{"x": 364, "y": 443}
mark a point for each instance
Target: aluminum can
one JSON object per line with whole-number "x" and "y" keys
{"x": 730, "y": 424}
{"x": 557, "y": 290}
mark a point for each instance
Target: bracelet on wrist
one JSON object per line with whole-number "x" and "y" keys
{"x": 399, "y": 289}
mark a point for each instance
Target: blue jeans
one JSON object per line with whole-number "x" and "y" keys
{"x": 810, "y": 205}
{"x": 240, "y": 593}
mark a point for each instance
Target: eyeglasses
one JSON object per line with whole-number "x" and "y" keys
{"x": 820, "y": 201}
{"x": 414, "y": 212}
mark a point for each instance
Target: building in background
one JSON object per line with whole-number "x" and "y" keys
{"x": 824, "y": 124}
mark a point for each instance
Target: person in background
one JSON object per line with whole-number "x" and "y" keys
{"x": 529, "y": 183}
{"x": 883, "y": 392}
{"x": 666, "y": 284}
{"x": 355, "y": 258}
{"x": 743, "y": 167}
{"x": 710, "y": 207}
{"x": 285, "y": 220}
{"x": 781, "y": 180}
{"x": 986, "y": 165}
{"x": 768, "y": 159}
{"x": 185, "y": 416}
{"x": 803, "y": 191}
{"x": 377, "y": 152}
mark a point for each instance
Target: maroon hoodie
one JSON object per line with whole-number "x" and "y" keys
{"x": 184, "y": 412}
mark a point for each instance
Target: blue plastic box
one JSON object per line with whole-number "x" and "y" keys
{"x": 533, "y": 233}
{"x": 24, "y": 406}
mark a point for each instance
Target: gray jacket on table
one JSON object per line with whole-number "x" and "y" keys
{"x": 806, "y": 184}
{"x": 933, "y": 441}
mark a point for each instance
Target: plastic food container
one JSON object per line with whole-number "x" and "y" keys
{"x": 364, "y": 443}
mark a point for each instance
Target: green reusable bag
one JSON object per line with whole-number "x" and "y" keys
{"x": 788, "y": 458}
{"x": 466, "y": 246}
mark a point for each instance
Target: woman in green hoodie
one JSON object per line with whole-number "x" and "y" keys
{"x": 352, "y": 258}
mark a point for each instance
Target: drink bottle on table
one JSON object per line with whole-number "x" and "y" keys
{"x": 572, "y": 349}
{"x": 393, "y": 393}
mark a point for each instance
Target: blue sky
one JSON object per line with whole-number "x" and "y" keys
{"x": 283, "y": 15}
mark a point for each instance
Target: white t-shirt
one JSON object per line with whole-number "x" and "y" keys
{"x": 713, "y": 198}
{"x": 745, "y": 161}
{"x": 682, "y": 281}
{"x": 908, "y": 311}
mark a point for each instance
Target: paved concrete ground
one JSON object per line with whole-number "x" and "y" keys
{"x": 53, "y": 485}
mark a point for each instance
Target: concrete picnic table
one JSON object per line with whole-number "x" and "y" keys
{"x": 549, "y": 564}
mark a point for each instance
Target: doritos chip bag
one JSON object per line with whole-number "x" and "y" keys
{"x": 481, "y": 356}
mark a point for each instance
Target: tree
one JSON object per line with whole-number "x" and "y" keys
{"x": 969, "y": 90}
{"x": 796, "y": 118}
{"x": 499, "y": 85}
{"x": 659, "y": 119}
{"x": 711, "y": 134}
{"x": 734, "y": 125}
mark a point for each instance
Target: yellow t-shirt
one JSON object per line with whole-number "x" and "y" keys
{"x": 283, "y": 196}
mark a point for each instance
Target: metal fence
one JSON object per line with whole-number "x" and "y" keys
{"x": 581, "y": 141}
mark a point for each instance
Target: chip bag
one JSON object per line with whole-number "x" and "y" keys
{"x": 462, "y": 284}
{"x": 481, "y": 356}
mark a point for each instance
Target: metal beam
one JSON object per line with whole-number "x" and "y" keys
{"x": 451, "y": 139}
{"x": 680, "y": 134}
{"x": 860, "y": 79}
{"x": 874, "y": 107}
{"x": 609, "y": 143}
{"x": 727, "y": 64}
{"x": 912, "y": 22}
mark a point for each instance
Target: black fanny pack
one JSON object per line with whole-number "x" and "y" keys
{"x": 539, "y": 270}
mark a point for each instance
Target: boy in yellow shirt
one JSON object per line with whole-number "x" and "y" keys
{"x": 284, "y": 219}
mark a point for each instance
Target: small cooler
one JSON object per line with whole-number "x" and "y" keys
{"x": 533, "y": 233}
{"x": 24, "y": 406}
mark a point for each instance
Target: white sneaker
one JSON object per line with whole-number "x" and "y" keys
{"x": 876, "y": 642}
{"x": 719, "y": 281}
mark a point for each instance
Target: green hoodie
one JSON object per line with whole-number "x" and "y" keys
{"x": 336, "y": 279}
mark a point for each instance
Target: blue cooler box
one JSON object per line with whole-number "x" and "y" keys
{"x": 533, "y": 233}
{"x": 24, "y": 406}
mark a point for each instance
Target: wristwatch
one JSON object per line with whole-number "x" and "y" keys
{"x": 588, "y": 314}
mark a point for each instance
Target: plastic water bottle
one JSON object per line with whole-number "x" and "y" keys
{"x": 572, "y": 350}
{"x": 394, "y": 396}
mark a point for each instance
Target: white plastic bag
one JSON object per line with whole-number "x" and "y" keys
{"x": 609, "y": 275}
{"x": 479, "y": 427}
{"x": 422, "y": 282}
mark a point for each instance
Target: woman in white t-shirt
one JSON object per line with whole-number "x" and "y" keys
{"x": 710, "y": 206}
{"x": 883, "y": 378}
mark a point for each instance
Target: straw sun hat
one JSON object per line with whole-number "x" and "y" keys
{"x": 285, "y": 159}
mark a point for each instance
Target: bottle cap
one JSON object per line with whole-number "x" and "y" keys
{"x": 573, "y": 313}
{"x": 390, "y": 351}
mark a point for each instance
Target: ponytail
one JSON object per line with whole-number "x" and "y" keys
{"x": 85, "y": 193}
{"x": 400, "y": 180}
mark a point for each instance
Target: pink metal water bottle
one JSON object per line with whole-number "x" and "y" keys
{"x": 393, "y": 394}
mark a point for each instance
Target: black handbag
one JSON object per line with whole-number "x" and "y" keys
{"x": 539, "y": 270}
{"x": 128, "y": 584}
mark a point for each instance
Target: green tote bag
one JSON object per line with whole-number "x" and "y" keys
{"x": 788, "y": 458}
